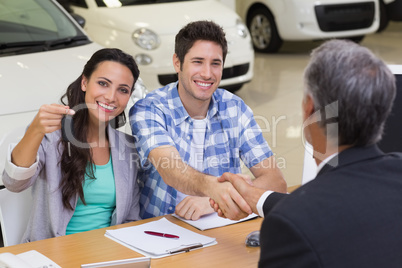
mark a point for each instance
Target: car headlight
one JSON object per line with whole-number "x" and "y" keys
{"x": 143, "y": 59}
{"x": 146, "y": 39}
{"x": 140, "y": 90}
{"x": 241, "y": 28}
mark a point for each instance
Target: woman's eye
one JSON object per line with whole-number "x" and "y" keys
{"x": 102, "y": 83}
{"x": 124, "y": 90}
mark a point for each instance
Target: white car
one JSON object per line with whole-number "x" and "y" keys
{"x": 390, "y": 10}
{"x": 271, "y": 22}
{"x": 147, "y": 29}
{"x": 42, "y": 50}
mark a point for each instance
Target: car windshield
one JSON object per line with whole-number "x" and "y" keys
{"x": 120, "y": 3}
{"x": 28, "y": 26}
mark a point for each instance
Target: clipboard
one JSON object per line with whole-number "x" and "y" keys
{"x": 135, "y": 238}
{"x": 142, "y": 262}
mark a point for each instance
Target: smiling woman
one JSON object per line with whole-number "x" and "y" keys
{"x": 107, "y": 91}
{"x": 88, "y": 181}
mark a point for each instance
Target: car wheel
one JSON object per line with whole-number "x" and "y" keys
{"x": 263, "y": 30}
{"x": 383, "y": 17}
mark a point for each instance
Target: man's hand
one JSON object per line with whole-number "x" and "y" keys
{"x": 193, "y": 207}
{"x": 245, "y": 177}
{"x": 250, "y": 194}
{"x": 177, "y": 175}
{"x": 230, "y": 203}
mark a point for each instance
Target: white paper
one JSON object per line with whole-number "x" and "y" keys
{"x": 37, "y": 259}
{"x": 156, "y": 246}
{"x": 213, "y": 221}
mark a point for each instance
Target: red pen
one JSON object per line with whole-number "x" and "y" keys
{"x": 162, "y": 234}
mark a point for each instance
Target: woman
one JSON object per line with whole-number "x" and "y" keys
{"x": 90, "y": 183}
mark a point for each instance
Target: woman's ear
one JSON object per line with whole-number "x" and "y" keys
{"x": 84, "y": 83}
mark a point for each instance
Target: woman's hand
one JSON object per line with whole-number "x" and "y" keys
{"x": 48, "y": 118}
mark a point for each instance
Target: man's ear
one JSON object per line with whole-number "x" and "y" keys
{"x": 84, "y": 82}
{"x": 176, "y": 63}
{"x": 308, "y": 106}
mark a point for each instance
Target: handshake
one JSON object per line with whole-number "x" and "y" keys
{"x": 239, "y": 196}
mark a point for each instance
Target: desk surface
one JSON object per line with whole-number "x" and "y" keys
{"x": 93, "y": 246}
{"x": 90, "y": 247}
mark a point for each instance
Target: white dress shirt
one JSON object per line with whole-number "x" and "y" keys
{"x": 265, "y": 195}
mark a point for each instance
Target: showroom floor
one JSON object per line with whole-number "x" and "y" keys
{"x": 275, "y": 94}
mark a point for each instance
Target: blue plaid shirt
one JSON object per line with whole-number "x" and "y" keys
{"x": 161, "y": 119}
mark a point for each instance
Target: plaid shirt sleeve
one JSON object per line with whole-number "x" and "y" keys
{"x": 148, "y": 124}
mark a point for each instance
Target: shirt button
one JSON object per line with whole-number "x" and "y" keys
{"x": 170, "y": 208}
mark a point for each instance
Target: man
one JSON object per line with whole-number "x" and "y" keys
{"x": 189, "y": 132}
{"x": 350, "y": 215}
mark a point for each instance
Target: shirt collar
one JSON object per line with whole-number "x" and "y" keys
{"x": 350, "y": 156}
{"x": 179, "y": 112}
{"x": 325, "y": 161}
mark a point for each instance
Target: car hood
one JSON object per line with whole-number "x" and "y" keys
{"x": 30, "y": 80}
{"x": 180, "y": 13}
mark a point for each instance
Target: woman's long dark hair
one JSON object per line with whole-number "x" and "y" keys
{"x": 74, "y": 167}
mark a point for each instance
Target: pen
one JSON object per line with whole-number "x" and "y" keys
{"x": 162, "y": 234}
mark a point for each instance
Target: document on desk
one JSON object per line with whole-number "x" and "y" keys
{"x": 153, "y": 246}
{"x": 213, "y": 221}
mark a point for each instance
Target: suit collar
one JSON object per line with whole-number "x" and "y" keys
{"x": 351, "y": 156}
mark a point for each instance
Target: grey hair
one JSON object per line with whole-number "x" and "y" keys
{"x": 362, "y": 85}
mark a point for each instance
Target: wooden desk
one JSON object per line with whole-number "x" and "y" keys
{"x": 93, "y": 246}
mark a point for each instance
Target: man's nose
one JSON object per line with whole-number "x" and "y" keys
{"x": 206, "y": 71}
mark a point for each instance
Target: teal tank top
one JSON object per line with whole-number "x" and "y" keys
{"x": 100, "y": 198}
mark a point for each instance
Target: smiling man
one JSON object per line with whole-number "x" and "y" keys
{"x": 190, "y": 132}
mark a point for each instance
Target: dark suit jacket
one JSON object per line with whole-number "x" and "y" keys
{"x": 350, "y": 215}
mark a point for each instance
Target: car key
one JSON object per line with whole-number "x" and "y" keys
{"x": 67, "y": 125}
